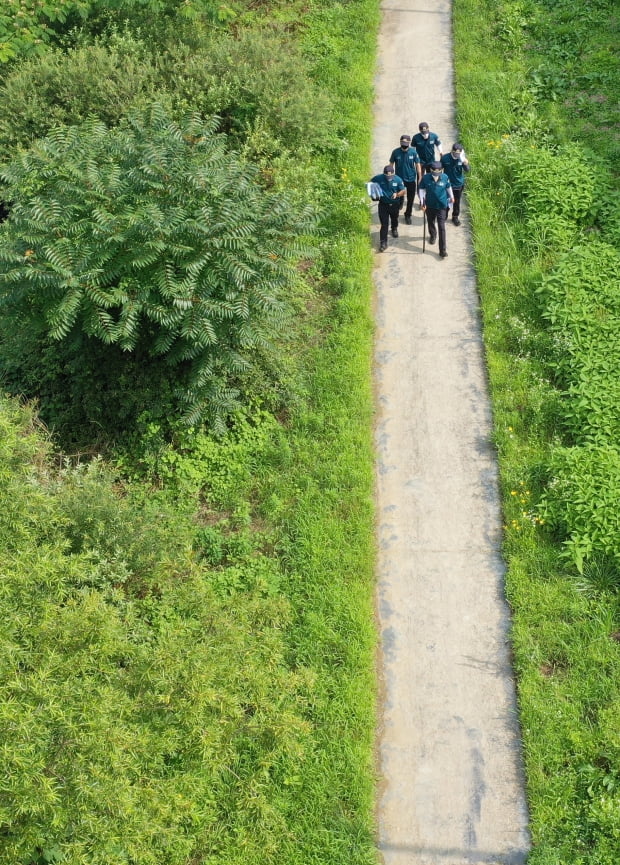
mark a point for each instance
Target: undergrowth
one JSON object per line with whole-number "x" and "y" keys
{"x": 187, "y": 639}
{"x": 537, "y": 113}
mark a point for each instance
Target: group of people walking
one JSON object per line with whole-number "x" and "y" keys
{"x": 414, "y": 166}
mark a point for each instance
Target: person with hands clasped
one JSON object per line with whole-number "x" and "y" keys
{"x": 392, "y": 192}
{"x": 406, "y": 163}
{"x": 436, "y": 198}
{"x": 455, "y": 164}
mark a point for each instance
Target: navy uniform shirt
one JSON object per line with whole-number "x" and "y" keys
{"x": 437, "y": 196}
{"x": 405, "y": 162}
{"x": 426, "y": 146}
{"x": 389, "y": 185}
{"x": 455, "y": 170}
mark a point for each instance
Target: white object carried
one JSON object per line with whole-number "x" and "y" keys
{"x": 374, "y": 190}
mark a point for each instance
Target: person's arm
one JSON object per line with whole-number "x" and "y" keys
{"x": 418, "y": 171}
{"x": 422, "y": 197}
{"x": 438, "y": 146}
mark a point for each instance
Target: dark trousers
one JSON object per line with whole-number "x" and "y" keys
{"x": 410, "y": 186}
{"x": 436, "y": 220}
{"x": 388, "y": 213}
{"x": 456, "y": 207}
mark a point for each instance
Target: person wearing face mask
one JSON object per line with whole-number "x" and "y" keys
{"x": 425, "y": 143}
{"x": 392, "y": 192}
{"x": 436, "y": 197}
{"x": 455, "y": 164}
{"x": 406, "y": 163}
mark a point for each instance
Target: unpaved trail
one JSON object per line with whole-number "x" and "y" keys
{"x": 449, "y": 748}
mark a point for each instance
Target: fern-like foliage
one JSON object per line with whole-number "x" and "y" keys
{"x": 153, "y": 227}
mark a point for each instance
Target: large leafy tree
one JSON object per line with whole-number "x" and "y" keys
{"x": 153, "y": 237}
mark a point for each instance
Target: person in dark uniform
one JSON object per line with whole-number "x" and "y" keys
{"x": 406, "y": 163}
{"x": 436, "y": 197}
{"x": 392, "y": 192}
{"x": 455, "y": 164}
{"x": 425, "y": 143}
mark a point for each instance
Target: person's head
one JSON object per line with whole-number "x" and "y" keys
{"x": 423, "y": 127}
{"x": 405, "y": 142}
{"x": 389, "y": 171}
{"x": 436, "y": 169}
{"x": 457, "y": 150}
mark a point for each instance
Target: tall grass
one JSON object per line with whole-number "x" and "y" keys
{"x": 566, "y": 624}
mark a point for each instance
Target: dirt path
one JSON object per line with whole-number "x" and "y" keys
{"x": 452, "y": 788}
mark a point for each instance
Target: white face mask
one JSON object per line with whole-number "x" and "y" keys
{"x": 436, "y": 175}
{"x": 425, "y": 134}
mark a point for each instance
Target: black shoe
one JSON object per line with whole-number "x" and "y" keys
{"x": 443, "y": 254}
{"x": 407, "y": 219}
{"x": 432, "y": 240}
{"x": 456, "y": 220}
{"x": 394, "y": 232}
{"x": 382, "y": 247}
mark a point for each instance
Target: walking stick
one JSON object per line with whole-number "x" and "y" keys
{"x": 424, "y": 234}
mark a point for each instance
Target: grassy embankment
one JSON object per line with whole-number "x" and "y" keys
{"x": 190, "y": 649}
{"x": 537, "y": 86}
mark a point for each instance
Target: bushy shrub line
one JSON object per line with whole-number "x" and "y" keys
{"x": 548, "y": 267}
{"x": 28, "y": 27}
{"x": 580, "y": 303}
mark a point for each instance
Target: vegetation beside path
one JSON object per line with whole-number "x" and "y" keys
{"x": 187, "y": 634}
{"x": 537, "y": 86}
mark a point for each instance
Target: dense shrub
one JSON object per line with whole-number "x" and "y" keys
{"x": 582, "y": 502}
{"x": 257, "y": 80}
{"x": 554, "y": 209}
{"x": 155, "y": 238}
{"x": 102, "y": 79}
{"x": 28, "y": 27}
{"x": 582, "y": 305}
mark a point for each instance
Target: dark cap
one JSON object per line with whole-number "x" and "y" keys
{"x": 405, "y": 137}
{"x": 457, "y": 146}
{"x": 388, "y": 169}
{"x": 422, "y": 126}
{"x": 436, "y": 165}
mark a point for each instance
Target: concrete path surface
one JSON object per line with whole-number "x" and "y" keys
{"x": 449, "y": 748}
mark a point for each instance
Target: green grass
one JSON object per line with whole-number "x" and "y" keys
{"x": 233, "y": 578}
{"x": 565, "y": 624}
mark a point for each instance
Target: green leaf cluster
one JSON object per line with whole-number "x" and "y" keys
{"x": 152, "y": 236}
{"x": 582, "y": 501}
{"x": 554, "y": 210}
{"x": 582, "y": 305}
{"x": 27, "y": 27}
